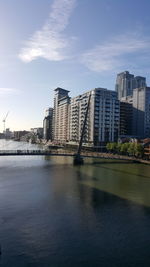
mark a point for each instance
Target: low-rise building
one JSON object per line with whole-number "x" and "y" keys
{"x": 17, "y": 135}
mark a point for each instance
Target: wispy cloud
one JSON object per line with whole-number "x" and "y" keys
{"x": 8, "y": 91}
{"x": 113, "y": 54}
{"x": 50, "y": 42}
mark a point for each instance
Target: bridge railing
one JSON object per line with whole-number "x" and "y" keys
{"x": 23, "y": 151}
{"x": 33, "y": 152}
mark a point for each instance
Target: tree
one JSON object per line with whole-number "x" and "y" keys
{"x": 139, "y": 150}
{"x": 108, "y": 147}
{"x": 113, "y": 147}
{"x": 131, "y": 149}
{"x": 118, "y": 148}
{"x": 124, "y": 148}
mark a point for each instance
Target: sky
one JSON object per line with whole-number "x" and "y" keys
{"x": 74, "y": 44}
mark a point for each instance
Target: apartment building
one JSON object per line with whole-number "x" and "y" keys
{"x": 103, "y": 117}
{"x": 47, "y": 124}
{"x": 126, "y": 116}
{"x": 61, "y": 115}
{"x": 78, "y": 106}
{"x": 126, "y": 82}
{"x": 141, "y": 112}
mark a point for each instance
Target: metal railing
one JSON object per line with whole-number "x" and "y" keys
{"x": 66, "y": 153}
{"x": 34, "y": 152}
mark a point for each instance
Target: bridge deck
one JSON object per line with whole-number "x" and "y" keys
{"x": 33, "y": 153}
{"x": 60, "y": 153}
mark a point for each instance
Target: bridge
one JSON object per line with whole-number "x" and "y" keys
{"x": 35, "y": 153}
{"x": 64, "y": 153}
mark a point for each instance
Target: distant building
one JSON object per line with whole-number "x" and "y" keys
{"x": 37, "y": 132}
{"x": 61, "y": 115}
{"x": 126, "y": 82}
{"x": 103, "y": 117}
{"x": 2, "y": 135}
{"x": 47, "y": 124}
{"x": 8, "y": 134}
{"x": 139, "y": 82}
{"x": 17, "y": 135}
{"x": 141, "y": 112}
{"x": 127, "y": 99}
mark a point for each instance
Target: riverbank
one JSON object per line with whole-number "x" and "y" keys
{"x": 114, "y": 156}
{"x": 7, "y": 144}
{"x": 103, "y": 155}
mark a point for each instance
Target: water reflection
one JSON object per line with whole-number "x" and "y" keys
{"x": 127, "y": 185}
{"x": 55, "y": 214}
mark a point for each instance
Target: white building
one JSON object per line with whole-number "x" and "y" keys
{"x": 141, "y": 112}
{"x": 103, "y": 117}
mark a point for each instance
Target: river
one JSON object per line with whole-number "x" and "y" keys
{"x": 54, "y": 214}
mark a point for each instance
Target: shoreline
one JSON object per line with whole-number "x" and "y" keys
{"x": 115, "y": 156}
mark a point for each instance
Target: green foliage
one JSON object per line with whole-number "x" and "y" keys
{"x": 118, "y": 148}
{"x": 139, "y": 150}
{"x": 111, "y": 147}
{"x": 124, "y": 148}
{"x": 131, "y": 149}
{"x": 108, "y": 146}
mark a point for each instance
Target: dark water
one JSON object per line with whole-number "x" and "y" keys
{"x": 54, "y": 214}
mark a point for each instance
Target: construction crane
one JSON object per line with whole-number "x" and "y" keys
{"x": 4, "y": 120}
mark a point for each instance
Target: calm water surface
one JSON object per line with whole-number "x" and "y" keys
{"x": 55, "y": 214}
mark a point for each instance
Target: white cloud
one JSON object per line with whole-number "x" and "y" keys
{"x": 50, "y": 41}
{"x": 111, "y": 55}
{"x": 8, "y": 91}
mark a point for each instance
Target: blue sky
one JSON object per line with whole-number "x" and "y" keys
{"x": 74, "y": 44}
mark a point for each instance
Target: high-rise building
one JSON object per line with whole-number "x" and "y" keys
{"x": 139, "y": 82}
{"x": 47, "y": 124}
{"x": 61, "y": 115}
{"x": 77, "y": 112}
{"x": 126, "y": 82}
{"x": 103, "y": 117}
{"x": 126, "y": 116}
{"x": 141, "y": 112}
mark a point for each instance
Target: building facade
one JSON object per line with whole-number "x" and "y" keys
{"x": 18, "y": 134}
{"x": 126, "y": 82}
{"x": 126, "y": 113}
{"x": 141, "y": 112}
{"x": 126, "y": 116}
{"x": 61, "y": 115}
{"x": 103, "y": 117}
{"x": 77, "y": 112}
{"x": 47, "y": 125}
{"x": 37, "y": 132}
